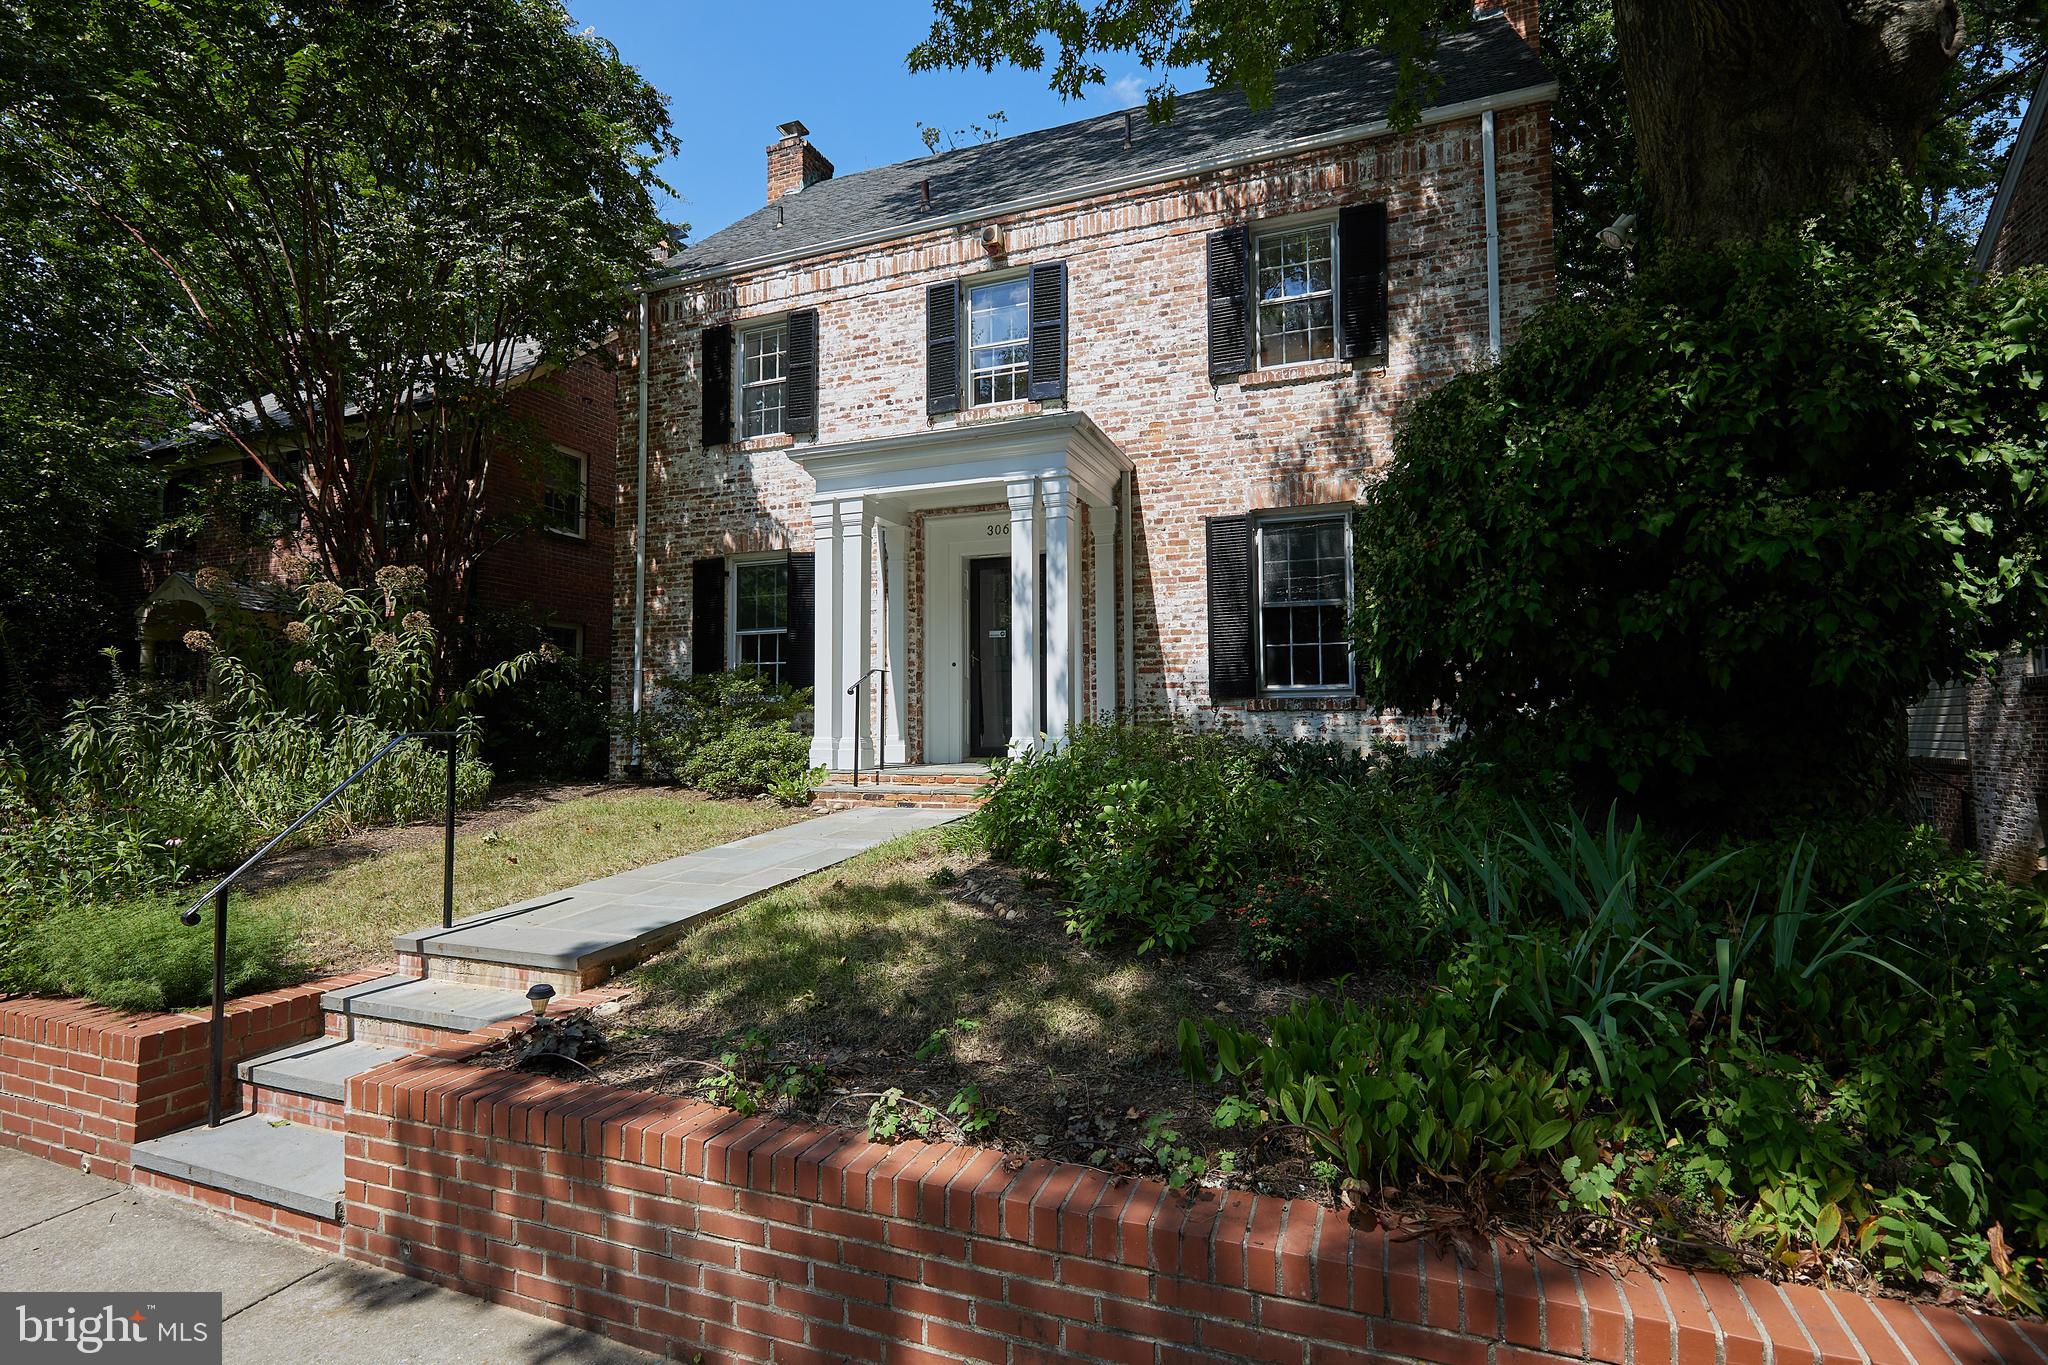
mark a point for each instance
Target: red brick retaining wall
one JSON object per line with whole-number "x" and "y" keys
{"x": 79, "y": 1081}
{"x": 684, "y": 1228}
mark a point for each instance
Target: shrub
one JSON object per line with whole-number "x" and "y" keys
{"x": 1704, "y": 543}
{"x": 136, "y": 956}
{"x": 727, "y": 734}
{"x": 1297, "y": 926}
{"x": 1145, "y": 827}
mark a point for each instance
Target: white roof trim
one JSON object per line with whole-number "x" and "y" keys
{"x": 965, "y": 454}
{"x": 2015, "y": 162}
{"x": 1175, "y": 170}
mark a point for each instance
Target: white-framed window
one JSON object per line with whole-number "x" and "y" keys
{"x": 764, "y": 355}
{"x": 1304, "y": 598}
{"x": 1295, "y": 279}
{"x": 567, "y": 638}
{"x": 565, "y": 489}
{"x": 760, "y": 615}
{"x": 999, "y": 340}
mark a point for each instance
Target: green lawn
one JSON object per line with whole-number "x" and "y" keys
{"x": 345, "y": 918}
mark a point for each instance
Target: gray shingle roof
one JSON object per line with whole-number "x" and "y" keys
{"x": 520, "y": 356}
{"x": 1345, "y": 90}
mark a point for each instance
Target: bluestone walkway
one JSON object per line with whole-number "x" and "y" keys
{"x": 628, "y": 914}
{"x": 61, "y": 1230}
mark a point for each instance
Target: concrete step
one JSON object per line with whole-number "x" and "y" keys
{"x": 288, "y": 1165}
{"x": 425, "y": 1004}
{"x": 319, "y": 1067}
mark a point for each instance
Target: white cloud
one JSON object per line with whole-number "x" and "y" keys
{"x": 1127, "y": 90}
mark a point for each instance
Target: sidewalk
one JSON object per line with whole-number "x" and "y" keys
{"x": 61, "y": 1230}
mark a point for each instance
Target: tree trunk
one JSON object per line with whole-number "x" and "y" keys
{"x": 1750, "y": 111}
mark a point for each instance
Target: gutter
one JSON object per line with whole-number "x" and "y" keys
{"x": 1492, "y": 235}
{"x": 1179, "y": 170}
{"x": 640, "y": 541}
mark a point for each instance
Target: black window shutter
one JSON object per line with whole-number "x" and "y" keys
{"x": 1230, "y": 302}
{"x": 707, "y": 616}
{"x": 718, "y": 384}
{"x": 800, "y": 369}
{"x": 1362, "y": 282}
{"x": 1232, "y": 673}
{"x": 1048, "y": 330}
{"x": 800, "y": 666}
{"x": 942, "y": 347}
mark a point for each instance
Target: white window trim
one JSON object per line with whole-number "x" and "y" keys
{"x": 1260, "y": 521}
{"x": 582, "y": 462}
{"x": 1269, "y": 227}
{"x": 967, "y": 287}
{"x": 741, "y": 331}
{"x": 733, "y": 633}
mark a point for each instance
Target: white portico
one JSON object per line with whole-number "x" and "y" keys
{"x": 988, "y": 582}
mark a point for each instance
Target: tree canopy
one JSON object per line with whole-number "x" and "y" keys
{"x": 369, "y": 215}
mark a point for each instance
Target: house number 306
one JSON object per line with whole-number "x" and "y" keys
{"x": 999, "y": 528}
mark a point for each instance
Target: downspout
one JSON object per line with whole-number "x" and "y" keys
{"x": 640, "y": 546}
{"x": 1492, "y": 235}
{"x": 1130, "y": 649}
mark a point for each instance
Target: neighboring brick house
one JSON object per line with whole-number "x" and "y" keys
{"x": 1979, "y": 746}
{"x": 558, "y": 575}
{"x": 1089, "y": 406}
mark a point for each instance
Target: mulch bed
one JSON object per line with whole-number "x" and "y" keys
{"x": 1092, "y": 1107}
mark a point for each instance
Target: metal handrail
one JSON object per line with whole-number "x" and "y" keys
{"x": 219, "y": 894}
{"x": 881, "y": 739}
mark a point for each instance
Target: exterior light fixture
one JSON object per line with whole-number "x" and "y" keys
{"x": 538, "y": 997}
{"x": 1618, "y": 233}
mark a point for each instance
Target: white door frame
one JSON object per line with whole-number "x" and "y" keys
{"x": 949, "y": 542}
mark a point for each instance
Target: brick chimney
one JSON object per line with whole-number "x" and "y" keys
{"x": 793, "y": 163}
{"x": 1521, "y": 17}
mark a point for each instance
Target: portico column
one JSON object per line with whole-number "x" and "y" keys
{"x": 894, "y": 540}
{"x": 1062, "y": 604}
{"x": 826, "y": 686}
{"x": 855, "y": 631}
{"x": 1102, "y": 525}
{"x": 1024, "y": 534}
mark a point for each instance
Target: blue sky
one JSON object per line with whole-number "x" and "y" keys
{"x": 734, "y": 70}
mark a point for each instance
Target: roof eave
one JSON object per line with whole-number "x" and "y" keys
{"x": 1507, "y": 99}
{"x": 2016, "y": 160}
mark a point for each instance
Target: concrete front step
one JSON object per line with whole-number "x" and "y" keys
{"x": 286, "y": 1165}
{"x": 414, "y": 1004}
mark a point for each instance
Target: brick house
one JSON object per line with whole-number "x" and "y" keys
{"x": 558, "y": 574}
{"x": 1088, "y": 407}
{"x": 1979, "y": 746}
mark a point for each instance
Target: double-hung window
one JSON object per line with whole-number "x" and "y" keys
{"x": 1295, "y": 275}
{"x": 764, "y": 353}
{"x": 999, "y": 340}
{"x": 1304, "y": 597}
{"x": 563, "y": 492}
{"x": 760, "y": 616}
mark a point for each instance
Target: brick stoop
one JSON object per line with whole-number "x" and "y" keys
{"x": 914, "y": 787}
